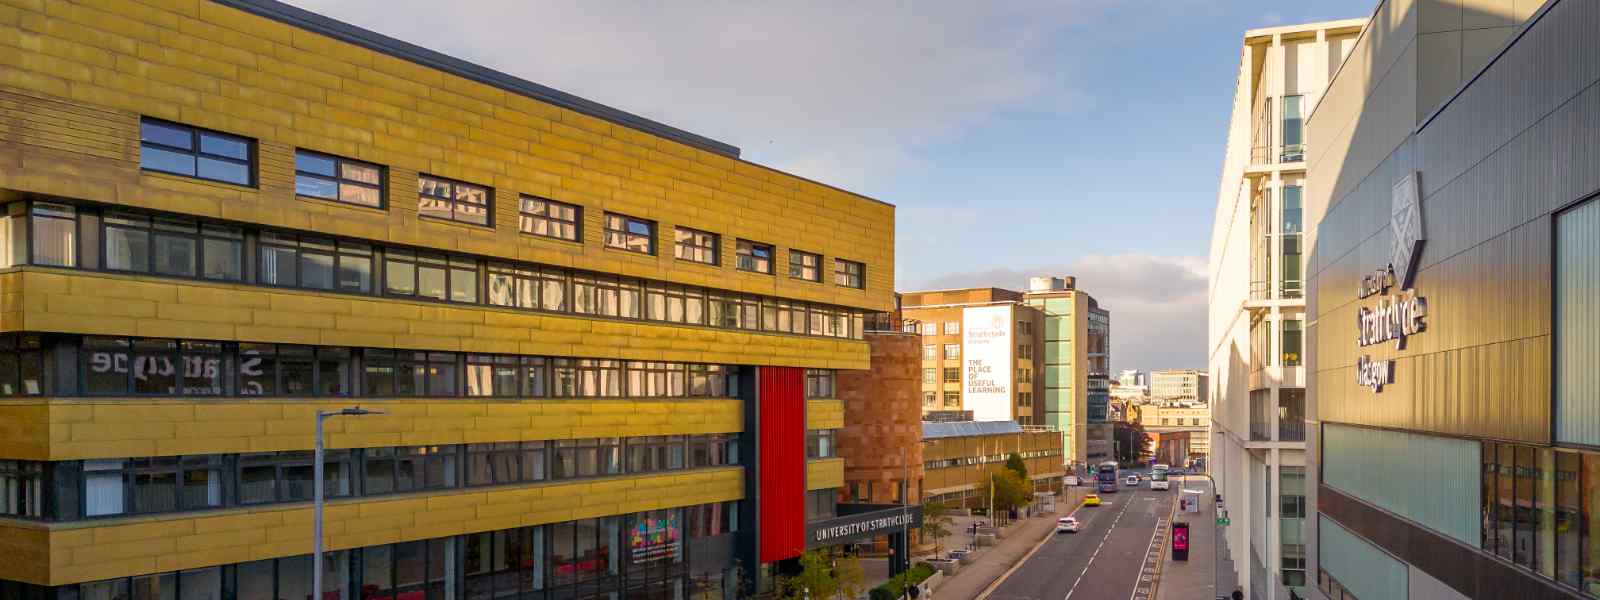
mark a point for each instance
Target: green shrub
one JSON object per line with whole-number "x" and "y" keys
{"x": 895, "y": 587}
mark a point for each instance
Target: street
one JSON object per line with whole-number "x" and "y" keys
{"x": 1103, "y": 560}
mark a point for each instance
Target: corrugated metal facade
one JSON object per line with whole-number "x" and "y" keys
{"x": 1362, "y": 568}
{"x": 783, "y": 462}
{"x": 1427, "y": 479}
{"x": 1577, "y": 315}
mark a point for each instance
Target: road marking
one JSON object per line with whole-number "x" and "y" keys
{"x": 1096, "y": 554}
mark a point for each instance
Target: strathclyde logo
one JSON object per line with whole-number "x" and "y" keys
{"x": 1405, "y": 222}
{"x": 997, "y": 322}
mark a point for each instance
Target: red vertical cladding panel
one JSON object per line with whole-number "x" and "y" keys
{"x": 783, "y": 463}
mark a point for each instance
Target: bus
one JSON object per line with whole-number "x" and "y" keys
{"x": 1158, "y": 480}
{"x": 1106, "y": 476}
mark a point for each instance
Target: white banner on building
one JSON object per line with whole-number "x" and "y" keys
{"x": 986, "y": 362}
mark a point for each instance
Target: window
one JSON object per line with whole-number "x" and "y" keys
{"x": 549, "y": 218}
{"x": 656, "y": 380}
{"x": 820, "y": 443}
{"x": 1291, "y": 343}
{"x": 285, "y": 370}
{"x": 713, "y": 381}
{"x": 409, "y": 469}
{"x": 183, "y": 150}
{"x": 1291, "y": 280}
{"x": 930, "y": 352}
{"x": 21, "y": 488}
{"x": 849, "y": 274}
{"x": 628, "y": 233}
{"x": 586, "y": 458}
{"x": 497, "y": 376}
{"x": 754, "y": 257}
{"x": 328, "y": 177}
{"x": 694, "y": 245}
{"x": 401, "y": 373}
{"x": 928, "y": 376}
{"x": 291, "y": 260}
{"x": 595, "y": 378}
{"x": 819, "y": 383}
{"x": 930, "y": 399}
{"x": 952, "y": 327}
{"x": 805, "y": 265}
{"x": 952, "y": 351}
{"x": 21, "y": 365}
{"x": 952, "y": 399}
{"x": 952, "y": 375}
{"x": 1294, "y": 148}
{"x": 505, "y": 462}
{"x": 119, "y": 366}
{"x": 454, "y": 200}
{"x": 713, "y": 450}
{"x": 408, "y": 273}
{"x": 288, "y": 476}
{"x": 655, "y": 453}
{"x": 55, "y": 235}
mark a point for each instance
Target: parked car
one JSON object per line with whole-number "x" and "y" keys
{"x": 1132, "y": 481}
{"x": 1066, "y": 525}
{"x": 1091, "y": 500}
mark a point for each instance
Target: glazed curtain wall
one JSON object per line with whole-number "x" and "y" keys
{"x": 1361, "y": 567}
{"x": 1427, "y": 479}
{"x": 1577, "y": 326}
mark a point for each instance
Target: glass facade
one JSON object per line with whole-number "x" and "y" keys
{"x": 1435, "y": 485}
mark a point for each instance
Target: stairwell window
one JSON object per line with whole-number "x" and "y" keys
{"x": 182, "y": 150}
{"x": 329, "y": 177}
{"x": 754, "y": 257}
{"x": 457, "y": 201}
{"x": 805, "y": 265}
{"x": 548, "y": 218}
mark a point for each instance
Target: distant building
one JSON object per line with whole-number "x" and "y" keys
{"x": 1131, "y": 377}
{"x": 1076, "y": 364}
{"x": 1179, "y": 385}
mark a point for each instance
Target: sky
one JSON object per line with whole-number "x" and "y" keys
{"x": 1065, "y": 137}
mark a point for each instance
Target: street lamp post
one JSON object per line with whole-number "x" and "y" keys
{"x": 316, "y": 473}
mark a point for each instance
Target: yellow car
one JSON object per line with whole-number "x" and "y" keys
{"x": 1091, "y": 500}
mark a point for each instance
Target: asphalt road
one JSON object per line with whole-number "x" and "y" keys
{"x": 1103, "y": 560}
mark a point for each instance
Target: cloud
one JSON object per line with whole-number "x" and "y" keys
{"x": 842, "y": 92}
{"x": 1157, "y": 303}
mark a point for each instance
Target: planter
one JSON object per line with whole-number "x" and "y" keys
{"x": 983, "y": 539}
{"x": 945, "y": 566}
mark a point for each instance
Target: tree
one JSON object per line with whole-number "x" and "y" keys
{"x": 1015, "y": 463}
{"x": 847, "y": 568}
{"x": 936, "y": 522}
{"x": 1132, "y": 445}
{"x": 816, "y": 578}
{"x": 1010, "y": 491}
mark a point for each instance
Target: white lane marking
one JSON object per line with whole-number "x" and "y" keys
{"x": 1096, "y": 554}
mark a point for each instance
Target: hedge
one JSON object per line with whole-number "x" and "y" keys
{"x": 894, "y": 588}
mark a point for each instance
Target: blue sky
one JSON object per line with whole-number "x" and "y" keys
{"x": 1068, "y": 137}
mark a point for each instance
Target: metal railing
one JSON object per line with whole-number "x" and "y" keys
{"x": 886, "y": 323}
{"x": 1286, "y": 153}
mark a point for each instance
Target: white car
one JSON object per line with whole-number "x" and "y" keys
{"x": 1067, "y": 525}
{"x": 1133, "y": 481}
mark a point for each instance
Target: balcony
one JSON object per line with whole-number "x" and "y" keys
{"x": 891, "y": 323}
{"x": 1277, "y": 155}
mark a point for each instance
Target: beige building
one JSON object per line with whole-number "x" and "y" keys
{"x": 1256, "y": 375}
{"x": 979, "y": 352}
{"x": 1156, "y": 418}
{"x": 1179, "y": 385}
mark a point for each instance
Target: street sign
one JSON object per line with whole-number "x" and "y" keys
{"x": 1224, "y": 521}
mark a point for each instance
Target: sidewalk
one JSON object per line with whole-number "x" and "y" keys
{"x": 991, "y": 563}
{"x": 1193, "y": 579}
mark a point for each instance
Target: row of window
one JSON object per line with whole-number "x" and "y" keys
{"x": 967, "y": 461}
{"x": 950, "y": 328}
{"x": 70, "y": 490}
{"x": 1539, "y": 512}
{"x": 182, "y": 150}
{"x": 181, "y": 247}
{"x": 118, "y": 366}
{"x": 639, "y": 555}
{"x": 931, "y": 399}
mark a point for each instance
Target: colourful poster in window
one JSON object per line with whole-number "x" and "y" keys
{"x": 655, "y": 536}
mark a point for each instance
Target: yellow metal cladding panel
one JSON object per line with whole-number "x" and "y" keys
{"x": 54, "y": 300}
{"x": 824, "y": 414}
{"x": 75, "y": 79}
{"x": 60, "y": 554}
{"x": 121, "y": 427}
{"x": 825, "y": 474}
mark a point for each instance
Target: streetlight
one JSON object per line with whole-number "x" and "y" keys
{"x": 316, "y": 468}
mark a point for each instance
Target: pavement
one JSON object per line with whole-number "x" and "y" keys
{"x": 1193, "y": 579}
{"x": 1113, "y": 556}
{"x": 994, "y": 562}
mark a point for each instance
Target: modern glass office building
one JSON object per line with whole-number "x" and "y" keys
{"x": 604, "y": 348}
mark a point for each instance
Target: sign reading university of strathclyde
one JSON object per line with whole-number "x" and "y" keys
{"x": 873, "y": 520}
{"x": 1398, "y": 315}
